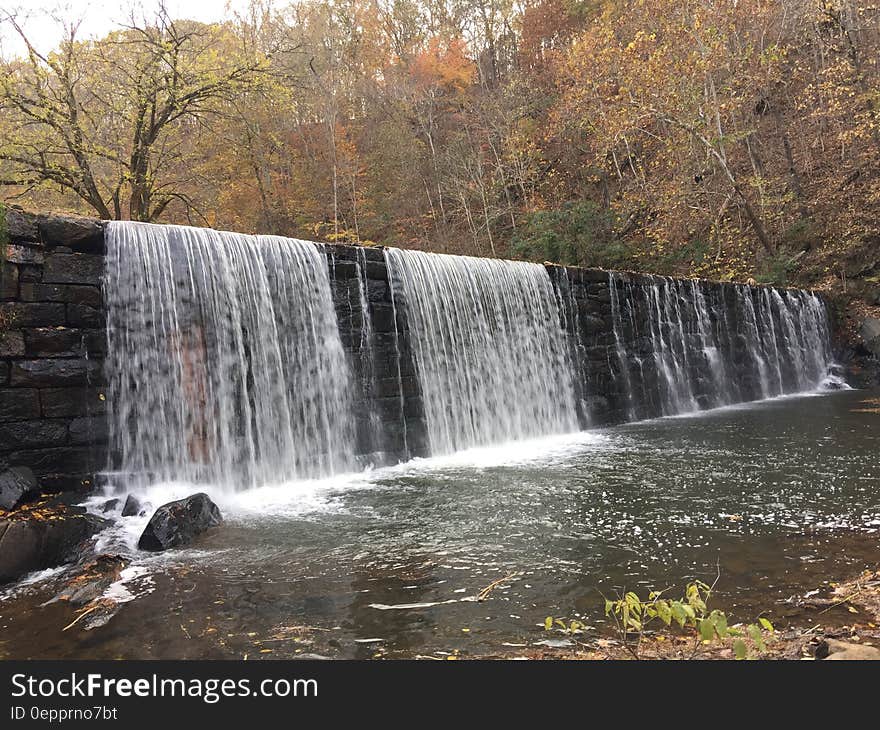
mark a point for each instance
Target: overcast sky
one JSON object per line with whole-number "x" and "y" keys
{"x": 98, "y": 17}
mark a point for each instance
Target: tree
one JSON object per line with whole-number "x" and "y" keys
{"x": 111, "y": 121}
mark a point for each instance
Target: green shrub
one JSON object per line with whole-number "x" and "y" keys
{"x": 776, "y": 269}
{"x": 802, "y": 235}
{"x": 692, "y": 252}
{"x": 632, "y": 616}
{"x": 577, "y": 234}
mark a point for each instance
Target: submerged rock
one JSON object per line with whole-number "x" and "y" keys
{"x": 132, "y": 506}
{"x": 91, "y": 579}
{"x": 16, "y": 484}
{"x": 177, "y": 523}
{"x": 110, "y": 505}
{"x": 86, "y": 590}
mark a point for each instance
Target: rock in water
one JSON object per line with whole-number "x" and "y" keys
{"x": 29, "y": 543}
{"x": 132, "y": 507}
{"x": 16, "y": 484}
{"x": 177, "y": 523}
{"x": 110, "y": 505}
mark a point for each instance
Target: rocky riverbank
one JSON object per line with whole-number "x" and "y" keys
{"x": 44, "y": 533}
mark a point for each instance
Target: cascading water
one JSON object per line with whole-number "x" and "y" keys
{"x": 225, "y": 363}
{"x": 489, "y": 348}
{"x": 577, "y": 351}
{"x": 712, "y": 345}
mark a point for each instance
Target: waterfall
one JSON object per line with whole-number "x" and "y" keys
{"x": 715, "y": 344}
{"x": 577, "y": 350}
{"x": 620, "y": 352}
{"x": 246, "y": 360}
{"x": 489, "y": 348}
{"x": 225, "y": 363}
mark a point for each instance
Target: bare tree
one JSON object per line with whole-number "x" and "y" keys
{"x": 107, "y": 120}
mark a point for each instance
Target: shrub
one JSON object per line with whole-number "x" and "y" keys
{"x": 632, "y": 616}
{"x": 577, "y": 234}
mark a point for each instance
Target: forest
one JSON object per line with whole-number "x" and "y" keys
{"x": 729, "y": 139}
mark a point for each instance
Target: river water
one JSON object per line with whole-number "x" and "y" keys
{"x": 772, "y": 497}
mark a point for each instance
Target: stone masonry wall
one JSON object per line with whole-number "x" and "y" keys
{"x": 53, "y": 342}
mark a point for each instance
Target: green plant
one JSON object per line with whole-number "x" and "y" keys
{"x": 692, "y": 253}
{"x": 570, "y": 627}
{"x": 776, "y": 269}
{"x": 632, "y": 616}
{"x": 802, "y": 235}
{"x": 577, "y": 234}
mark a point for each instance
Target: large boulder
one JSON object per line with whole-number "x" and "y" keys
{"x": 870, "y": 333}
{"x": 178, "y": 523}
{"x": 16, "y": 485}
{"x": 30, "y": 542}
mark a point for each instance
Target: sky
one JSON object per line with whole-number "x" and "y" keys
{"x": 98, "y": 17}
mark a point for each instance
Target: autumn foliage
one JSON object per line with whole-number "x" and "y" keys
{"x": 725, "y": 138}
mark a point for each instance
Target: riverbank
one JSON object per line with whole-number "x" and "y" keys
{"x": 838, "y": 621}
{"x": 834, "y": 620}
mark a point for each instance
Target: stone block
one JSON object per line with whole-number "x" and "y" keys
{"x": 11, "y": 343}
{"x": 80, "y": 315}
{"x": 89, "y": 430}
{"x": 27, "y": 434}
{"x": 54, "y": 342}
{"x": 376, "y": 270}
{"x": 70, "y": 402}
{"x": 32, "y": 314}
{"x": 341, "y": 270}
{"x": 8, "y": 281}
{"x": 73, "y": 268}
{"x": 67, "y": 293}
{"x": 80, "y": 234}
{"x": 392, "y": 387}
{"x": 389, "y": 409}
{"x": 382, "y": 317}
{"x": 21, "y": 226}
{"x": 30, "y": 273}
{"x": 594, "y": 276}
{"x": 55, "y": 373}
{"x": 377, "y": 291}
{"x": 77, "y": 482}
{"x": 22, "y": 254}
{"x": 56, "y": 460}
{"x": 18, "y": 404}
{"x": 96, "y": 342}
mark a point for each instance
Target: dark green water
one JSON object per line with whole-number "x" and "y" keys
{"x": 777, "y": 497}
